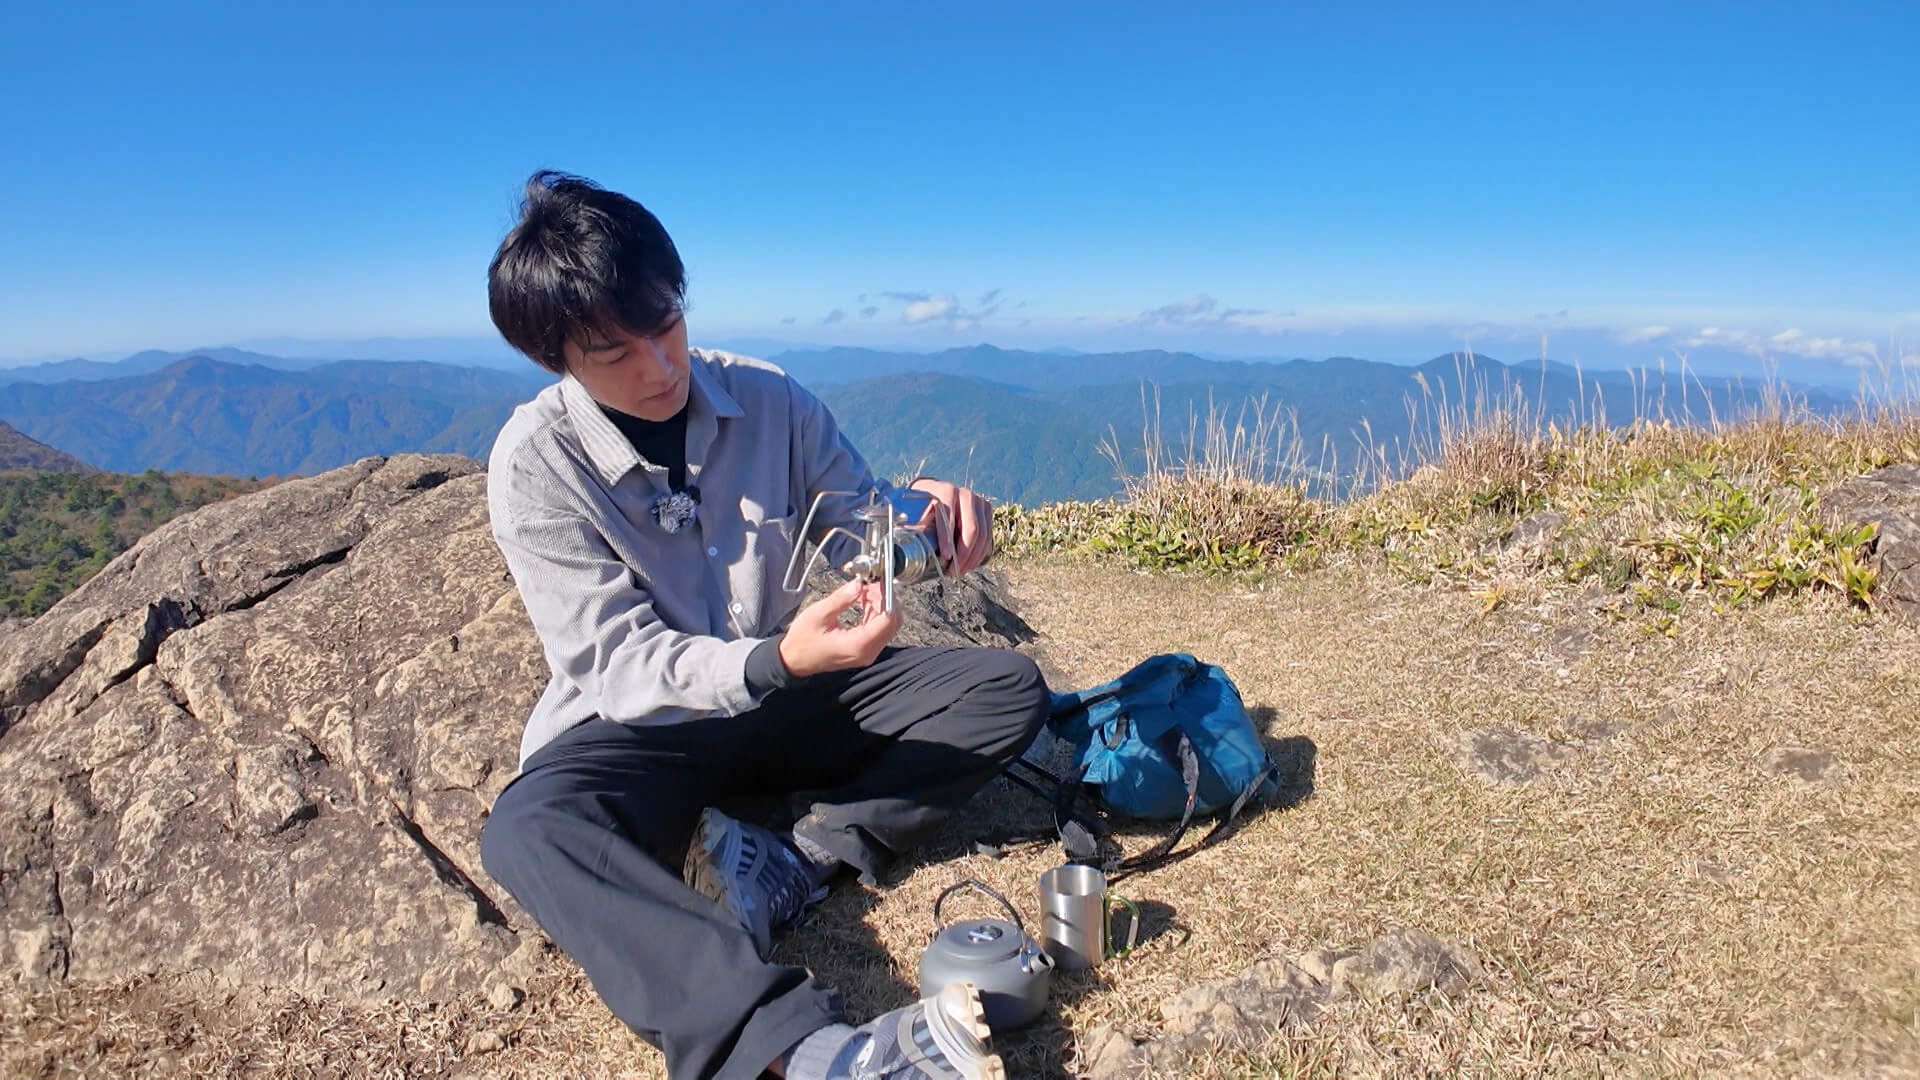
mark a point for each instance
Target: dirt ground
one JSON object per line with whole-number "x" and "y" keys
{"x": 1677, "y": 855}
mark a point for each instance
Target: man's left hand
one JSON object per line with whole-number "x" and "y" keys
{"x": 962, "y": 524}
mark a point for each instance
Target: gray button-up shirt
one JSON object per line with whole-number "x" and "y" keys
{"x": 640, "y": 625}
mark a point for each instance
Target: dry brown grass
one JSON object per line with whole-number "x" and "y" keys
{"x": 1660, "y": 902}
{"x": 1656, "y": 510}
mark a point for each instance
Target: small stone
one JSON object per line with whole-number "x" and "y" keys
{"x": 505, "y": 996}
{"x": 1889, "y": 499}
{"x": 39, "y": 954}
{"x": 1246, "y": 1011}
{"x": 1571, "y": 642}
{"x": 1505, "y": 756}
{"x": 486, "y": 1042}
{"x": 1318, "y": 964}
{"x": 1405, "y": 963}
{"x": 1108, "y": 1054}
{"x": 1195, "y": 1001}
{"x": 1599, "y": 598}
{"x": 1807, "y": 763}
{"x": 1591, "y": 729}
{"x": 1536, "y": 532}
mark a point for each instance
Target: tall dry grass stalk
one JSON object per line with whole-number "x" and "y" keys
{"x": 1234, "y": 492}
{"x": 1647, "y": 495}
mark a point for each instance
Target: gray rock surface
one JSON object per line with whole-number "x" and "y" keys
{"x": 1890, "y": 499}
{"x": 1809, "y": 763}
{"x": 1241, "y": 1013}
{"x": 1537, "y": 532}
{"x": 1503, "y": 756}
{"x": 261, "y": 743}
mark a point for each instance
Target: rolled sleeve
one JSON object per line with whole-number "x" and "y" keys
{"x": 599, "y": 628}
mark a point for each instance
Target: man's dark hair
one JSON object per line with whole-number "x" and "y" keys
{"x": 582, "y": 262}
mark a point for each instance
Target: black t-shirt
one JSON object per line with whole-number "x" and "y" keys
{"x": 662, "y": 442}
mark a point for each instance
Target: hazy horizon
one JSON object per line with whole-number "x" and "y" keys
{"x": 491, "y": 351}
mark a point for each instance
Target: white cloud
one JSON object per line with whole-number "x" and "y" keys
{"x": 1645, "y": 334}
{"x": 942, "y": 308}
{"x": 929, "y": 307}
{"x": 1790, "y": 342}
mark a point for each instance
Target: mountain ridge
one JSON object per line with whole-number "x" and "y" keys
{"x": 21, "y": 451}
{"x": 1023, "y": 426}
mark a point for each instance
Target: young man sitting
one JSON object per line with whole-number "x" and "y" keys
{"x": 647, "y": 504}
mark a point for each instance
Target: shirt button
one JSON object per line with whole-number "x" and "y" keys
{"x": 738, "y": 607}
{"x": 713, "y": 552}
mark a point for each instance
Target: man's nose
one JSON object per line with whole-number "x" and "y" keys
{"x": 655, "y": 356}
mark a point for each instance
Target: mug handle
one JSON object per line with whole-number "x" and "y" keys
{"x": 1133, "y": 925}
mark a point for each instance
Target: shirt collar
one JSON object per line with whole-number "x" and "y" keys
{"x": 612, "y": 455}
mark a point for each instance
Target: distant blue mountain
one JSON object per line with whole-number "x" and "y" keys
{"x": 487, "y": 352}
{"x": 1026, "y": 426}
{"x": 140, "y": 363}
{"x": 204, "y": 415}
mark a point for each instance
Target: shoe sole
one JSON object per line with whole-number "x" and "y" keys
{"x": 700, "y": 870}
{"x": 956, "y": 1016}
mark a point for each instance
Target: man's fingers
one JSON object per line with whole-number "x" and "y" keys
{"x": 841, "y": 598}
{"x": 969, "y": 531}
{"x": 825, "y": 612}
{"x": 943, "y": 531}
{"x": 876, "y": 627}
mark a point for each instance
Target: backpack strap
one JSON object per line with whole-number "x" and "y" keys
{"x": 1162, "y": 853}
{"x": 1079, "y": 837}
{"x": 1190, "y": 776}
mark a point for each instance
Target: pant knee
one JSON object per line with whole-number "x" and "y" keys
{"x": 1019, "y": 695}
{"x": 511, "y": 841}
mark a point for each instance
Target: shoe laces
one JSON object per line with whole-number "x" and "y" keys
{"x": 787, "y": 885}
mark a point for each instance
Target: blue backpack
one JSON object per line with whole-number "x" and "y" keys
{"x": 1169, "y": 740}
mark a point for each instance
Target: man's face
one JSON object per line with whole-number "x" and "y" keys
{"x": 640, "y": 376}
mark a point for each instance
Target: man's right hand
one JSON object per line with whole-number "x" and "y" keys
{"x": 816, "y": 642}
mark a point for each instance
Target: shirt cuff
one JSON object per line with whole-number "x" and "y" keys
{"x": 766, "y": 672}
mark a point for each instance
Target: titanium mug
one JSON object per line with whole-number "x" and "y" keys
{"x": 1075, "y": 917}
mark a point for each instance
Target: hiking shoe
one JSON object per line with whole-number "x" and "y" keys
{"x": 943, "y": 1037}
{"x": 750, "y": 872}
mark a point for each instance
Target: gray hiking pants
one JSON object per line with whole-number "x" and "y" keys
{"x": 590, "y": 837}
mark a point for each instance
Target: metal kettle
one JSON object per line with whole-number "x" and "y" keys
{"x": 1007, "y": 966}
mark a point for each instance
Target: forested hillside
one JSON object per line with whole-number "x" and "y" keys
{"x": 18, "y": 451}
{"x": 58, "y": 529}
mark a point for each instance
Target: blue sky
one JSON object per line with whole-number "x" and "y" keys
{"x": 1734, "y": 180}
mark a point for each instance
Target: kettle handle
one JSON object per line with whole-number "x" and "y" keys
{"x": 982, "y": 886}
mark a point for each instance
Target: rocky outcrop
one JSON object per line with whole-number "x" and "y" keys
{"x": 1888, "y": 498}
{"x": 1242, "y": 1013}
{"x": 261, "y": 743}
